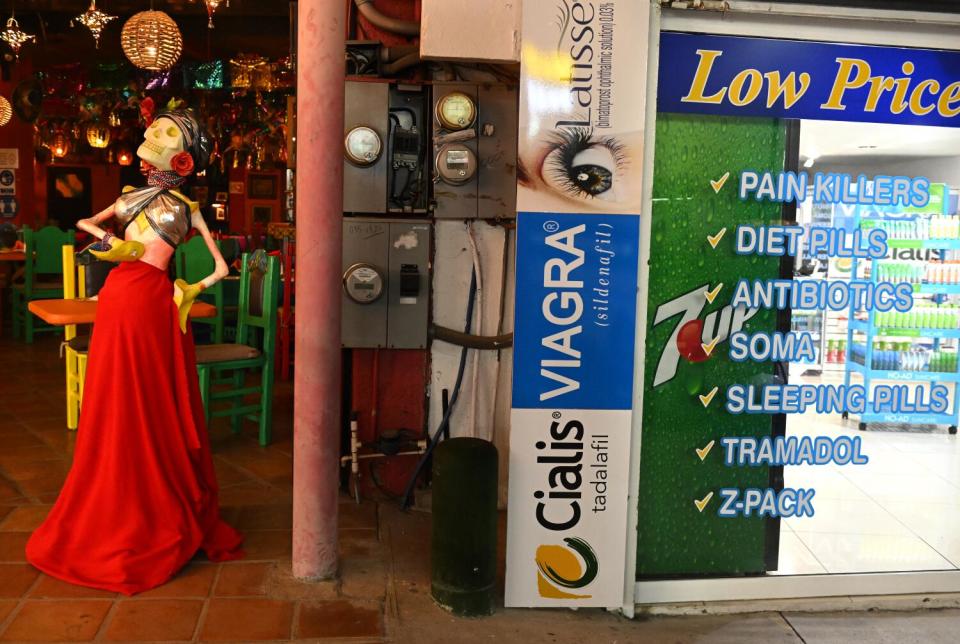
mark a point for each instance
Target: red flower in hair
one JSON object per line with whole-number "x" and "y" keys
{"x": 147, "y": 109}
{"x": 182, "y": 163}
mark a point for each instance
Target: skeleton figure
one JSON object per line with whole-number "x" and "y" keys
{"x": 155, "y": 218}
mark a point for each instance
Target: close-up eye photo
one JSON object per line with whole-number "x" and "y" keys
{"x": 583, "y": 165}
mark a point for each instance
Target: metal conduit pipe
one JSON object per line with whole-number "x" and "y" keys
{"x": 401, "y": 63}
{"x": 395, "y": 52}
{"x": 381, "y": 21}
{"x": 460, "y": 339}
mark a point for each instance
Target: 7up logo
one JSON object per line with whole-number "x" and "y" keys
{"x": 689, "y": 332}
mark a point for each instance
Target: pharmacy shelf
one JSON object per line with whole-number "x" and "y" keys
{"x": 905, "y": 376}
{"x": 894, "y": 332}
{"x": 911, "y": 418}
{"x": 931, "y": 244}
{"x": 867, "y": 331}
{"x": 937, "y": 289}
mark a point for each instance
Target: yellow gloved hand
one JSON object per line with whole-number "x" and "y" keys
{"x": 183, "y": 296}
{"x": 121, "y": 251}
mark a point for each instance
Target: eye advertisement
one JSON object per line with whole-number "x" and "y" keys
{"x": 582, "y": 99}
{"x": 583, "y": 71}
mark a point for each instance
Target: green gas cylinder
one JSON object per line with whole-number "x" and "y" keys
{"x": 464, "y": 546}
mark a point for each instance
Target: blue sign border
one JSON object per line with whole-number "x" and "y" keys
{"x": 680, "y": 61}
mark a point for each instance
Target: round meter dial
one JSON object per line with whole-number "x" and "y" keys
{"x": 456, "y": 163}
{"x": 362, "y": 146}
{"x": 456, "y": 111}
{"x": 363, "y": 283}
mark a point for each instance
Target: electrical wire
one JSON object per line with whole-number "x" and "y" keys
{"x": 478, "y": 271}
{"x": 503, "y": 303}
{"x": 445, "y": 421}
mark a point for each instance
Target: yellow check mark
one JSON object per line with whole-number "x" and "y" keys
{"x": 708, "y": 348}
{"x": 702, "y": 503}
{"x": 705, "y": 400}
{"x": 712, "y": 295}
{"x": 715, "y": 239}
{"x": 718, "y": 184}
{"x": 702, "y": 453}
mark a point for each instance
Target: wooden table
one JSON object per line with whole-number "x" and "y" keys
{"x": 64, "y": 312}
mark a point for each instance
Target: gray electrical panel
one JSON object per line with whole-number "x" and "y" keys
{"x": 475, "y": 151}
{"x": 385, "y": 283}
{"x": 365, "y": 181}
{"x": 385, "y": 166}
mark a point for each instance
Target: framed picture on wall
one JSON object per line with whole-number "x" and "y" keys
{"x": 69, "y": 195}
{"x": 262, "y": 185}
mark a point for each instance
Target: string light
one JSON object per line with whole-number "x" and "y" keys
{"x": 14, "y": 36}
{"x": 94, "y": 20}
{"x": 212, "y": 6}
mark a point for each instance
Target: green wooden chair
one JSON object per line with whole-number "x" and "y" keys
{"x": 193, "y": 263}
{"x": 42, "y": 277}
{"x": 254, "y": 349}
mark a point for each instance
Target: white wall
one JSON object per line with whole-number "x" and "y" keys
{"x": 470, "y": 30}
{"x": 488, "y": 415}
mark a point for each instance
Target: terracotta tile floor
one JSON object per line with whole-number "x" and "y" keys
{"x": 251, "y": 600}
{"x": 383, "y": 593}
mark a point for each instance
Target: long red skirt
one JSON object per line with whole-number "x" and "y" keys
{"x": 141, "y": 497}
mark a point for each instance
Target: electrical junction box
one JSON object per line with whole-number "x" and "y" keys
{"x": 386, "y": 169}
{"x": 386, "y": 282}
{"x": 474, "y": 151}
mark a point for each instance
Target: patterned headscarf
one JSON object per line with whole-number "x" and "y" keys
{"x": 195, "y": 137}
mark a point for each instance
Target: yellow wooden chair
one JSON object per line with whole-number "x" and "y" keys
{"x": 74, "y": 352}
{"x": 81, "y": 279}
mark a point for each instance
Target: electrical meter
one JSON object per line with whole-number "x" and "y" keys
{"x": 456, "y": 163}
{"x": 456, "y": 111}
{"x": 362, "y": 146}
{"x": 363, "y": 283}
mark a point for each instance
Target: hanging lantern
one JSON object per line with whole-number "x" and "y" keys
{"x": 60, "y": 145}
{"x": 14, "y": 37}
{"x": 5, "y": 111}
{"x": 212, "y": 6}
{"x": 151, "y": 40}
{"x": 94, "y": 20}
{"x": 98, "y": 135}
{"x": 125, "y": 156}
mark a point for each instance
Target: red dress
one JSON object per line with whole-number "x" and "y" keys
{"x": 141, "y": 497}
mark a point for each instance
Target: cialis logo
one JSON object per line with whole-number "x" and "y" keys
{"x": 565, "y": 568}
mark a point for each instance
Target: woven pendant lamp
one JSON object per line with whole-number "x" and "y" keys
{"x": 151, "y": 40}
{"x": 5, "y": 111}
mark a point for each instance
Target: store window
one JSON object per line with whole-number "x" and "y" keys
{"x": 800, "y": 411}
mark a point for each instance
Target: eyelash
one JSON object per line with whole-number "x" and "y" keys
{"x": 571, "y": 142}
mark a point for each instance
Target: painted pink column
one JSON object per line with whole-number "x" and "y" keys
{"x": 316, "y": 408}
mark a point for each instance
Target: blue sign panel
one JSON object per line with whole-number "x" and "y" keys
{"x": 738, "y": 76}
{"x": 576, "y": 296}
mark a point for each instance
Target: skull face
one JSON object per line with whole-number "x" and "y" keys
{"x": 161, "y": 142}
